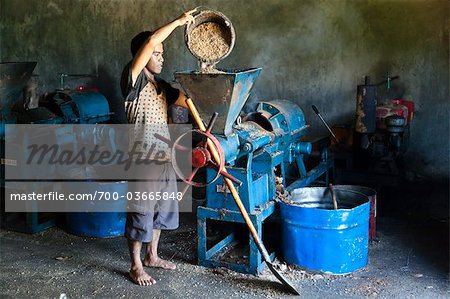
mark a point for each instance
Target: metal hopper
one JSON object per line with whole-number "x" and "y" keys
{"x": 13, "y": 78}
{"x": 222, "y": 92}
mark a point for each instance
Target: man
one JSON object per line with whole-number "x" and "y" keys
{"x": 146, "y": 105}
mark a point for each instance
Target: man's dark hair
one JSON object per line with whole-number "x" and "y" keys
{"x": 138, "y": 41}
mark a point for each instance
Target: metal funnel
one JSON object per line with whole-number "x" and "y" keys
{"x": 13, "y": 78}
{"x": 223, "y": 92}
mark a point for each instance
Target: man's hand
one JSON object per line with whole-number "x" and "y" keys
{"x": 145, "y": 52}
{"x": 186, "y": 18}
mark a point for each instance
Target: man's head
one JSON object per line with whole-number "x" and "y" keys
{"x": 155, "y": 63}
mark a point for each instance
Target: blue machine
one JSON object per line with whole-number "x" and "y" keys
{"x": 259, "y": 149}
{"x": 60, "y": 107}
{"x": 81, "y": 107}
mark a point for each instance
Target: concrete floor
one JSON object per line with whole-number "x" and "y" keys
{"x": 409, "y": 260}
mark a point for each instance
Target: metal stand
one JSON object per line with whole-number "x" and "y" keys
{"x": 30, "y": 223}
{"x": 323, "y": 169}
{"x": 212, "y": 257}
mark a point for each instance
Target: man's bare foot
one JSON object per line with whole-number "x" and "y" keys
{"x": 140, "y": 277}
{"x": 159, "y": 263}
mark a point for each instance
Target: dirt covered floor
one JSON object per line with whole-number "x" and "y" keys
{"x": 409, "y": 259}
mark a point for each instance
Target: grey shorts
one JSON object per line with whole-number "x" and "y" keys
{"x": 153, "y": 214}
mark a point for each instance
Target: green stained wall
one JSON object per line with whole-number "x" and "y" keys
{"x": 311, "y": 52}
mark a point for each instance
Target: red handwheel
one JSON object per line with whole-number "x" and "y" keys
{"x": 200, "y": 156}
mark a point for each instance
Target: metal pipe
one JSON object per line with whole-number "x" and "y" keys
{"x": 324, "y": 122}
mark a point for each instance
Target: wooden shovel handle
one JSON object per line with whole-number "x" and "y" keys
{"x": 333, "y": 196}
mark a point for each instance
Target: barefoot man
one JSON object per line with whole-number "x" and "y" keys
{"x": 147, "y": 98}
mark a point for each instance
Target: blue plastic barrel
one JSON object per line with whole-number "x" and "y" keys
{"x": 317, "y": 237}
{"x": 101, "y": 224}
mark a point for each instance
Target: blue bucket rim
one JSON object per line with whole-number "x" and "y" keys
{"x": 366, "y": 199}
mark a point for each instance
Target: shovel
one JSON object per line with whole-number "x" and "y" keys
{"x": 237, "y": 199}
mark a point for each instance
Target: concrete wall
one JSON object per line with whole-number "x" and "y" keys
{"x": 311, "y": 52}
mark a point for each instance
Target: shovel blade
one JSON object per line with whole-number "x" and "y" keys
{"x": 282, "y": 279}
